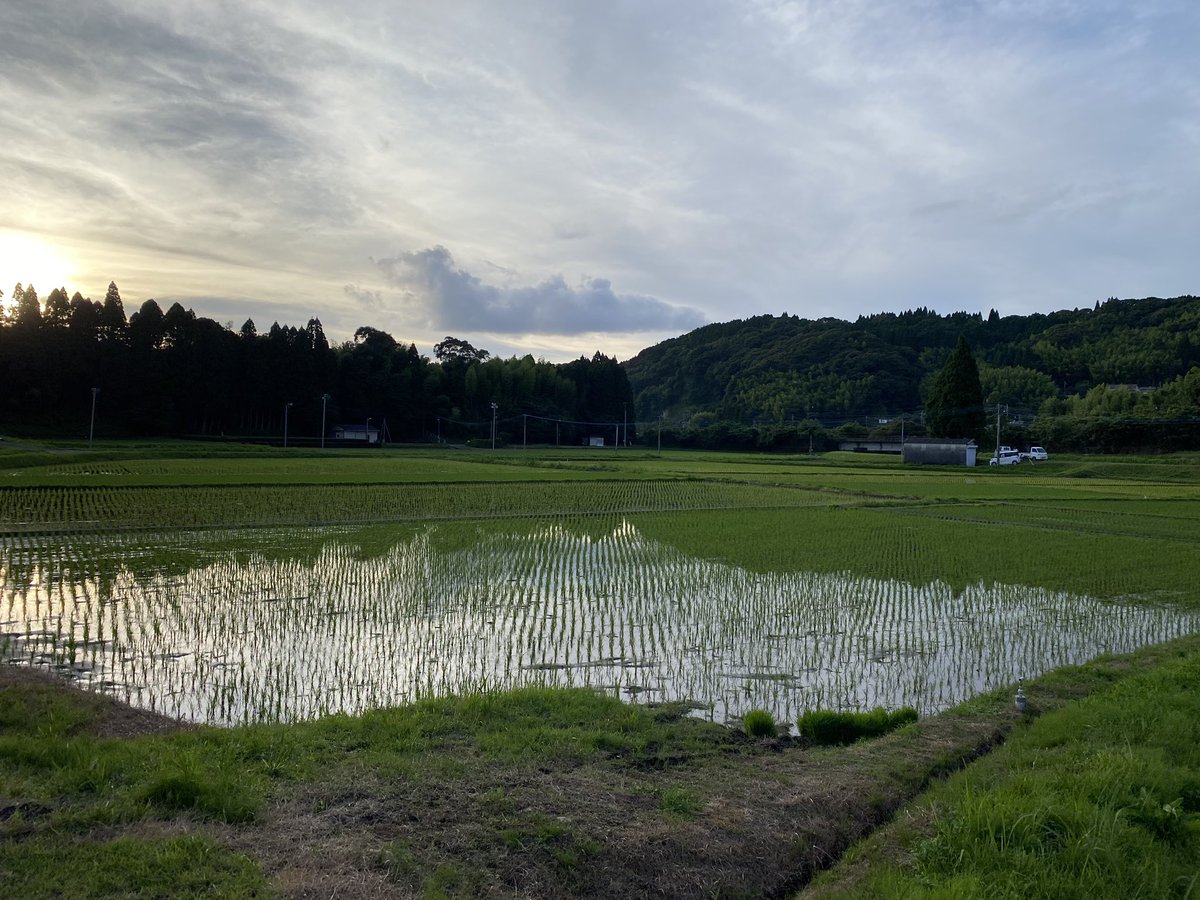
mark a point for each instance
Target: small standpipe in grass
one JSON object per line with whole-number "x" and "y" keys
{"x": 1020, "y": 698}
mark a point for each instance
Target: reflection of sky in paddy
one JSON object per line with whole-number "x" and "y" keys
{"x": 245, "y": 636}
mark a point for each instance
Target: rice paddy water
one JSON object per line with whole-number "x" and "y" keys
{"x": 244, "y": 635}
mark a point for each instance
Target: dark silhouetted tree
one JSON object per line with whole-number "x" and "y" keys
{"x": 955, "y": 404}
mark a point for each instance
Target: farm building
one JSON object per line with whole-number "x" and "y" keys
{"x": 940, "y": 451}
{"x": 368, "y": 433}
{"x": 871, "y": 446}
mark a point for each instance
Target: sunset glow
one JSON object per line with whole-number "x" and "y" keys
{"x": 27, "y": 260}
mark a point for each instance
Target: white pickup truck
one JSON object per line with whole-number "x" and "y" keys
{"x": 1036, "y": 454}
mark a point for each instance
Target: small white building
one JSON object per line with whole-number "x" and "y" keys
{"x": 366, "y": 433}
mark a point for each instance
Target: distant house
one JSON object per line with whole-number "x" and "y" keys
{"x": 940, "y": 451}
{"x": 367, "y": 433}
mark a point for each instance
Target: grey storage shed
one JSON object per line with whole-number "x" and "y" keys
{"x": 940, "y": 451}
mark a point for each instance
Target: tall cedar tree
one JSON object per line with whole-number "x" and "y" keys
{"x": 955, "y": 405}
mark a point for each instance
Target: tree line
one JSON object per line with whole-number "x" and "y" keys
{"x": 176, "y": 373}
{"x": 1122, "y": 375}
{"x": 1116, "y": 376}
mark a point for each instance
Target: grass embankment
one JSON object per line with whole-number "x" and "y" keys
{"x": 1100, "y": 799}
{"x": 565, "y": 793}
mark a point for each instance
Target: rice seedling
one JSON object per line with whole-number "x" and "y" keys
{"x": 231, "y": 627}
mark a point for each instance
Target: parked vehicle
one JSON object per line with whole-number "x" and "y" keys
{"x": 1036, "y": 453}
{"x": 1006, "y": 457}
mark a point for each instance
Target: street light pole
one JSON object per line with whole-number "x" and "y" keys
{"x": 286, "y": 407}
{"x": 92, "y": 426}
{"x": 494, "y": 408}
{"x": 324, "y": 400}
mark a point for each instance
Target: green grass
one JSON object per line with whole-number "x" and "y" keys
{"x": 1098, "y": 799}
{"x": 182, "y": 866}
{"x": 759, "y": 723}
{"x": 829, "y": 726}
{"x": 921, "y": 544}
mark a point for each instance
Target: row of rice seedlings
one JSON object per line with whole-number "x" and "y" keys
{"x": 247, "y": 637}
{"x": 114, "y": 507}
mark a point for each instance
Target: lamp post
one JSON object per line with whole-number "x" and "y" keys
{"x": 286, "y": 407}
{"x": 324, "y": 400}
{"x": 92, "y": 426}
{"x": 494, "y": 408}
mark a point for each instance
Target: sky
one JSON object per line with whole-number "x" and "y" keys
{"x": 558, "y": 177}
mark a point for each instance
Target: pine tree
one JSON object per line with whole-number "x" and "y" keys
{"x": 955, "y": 404}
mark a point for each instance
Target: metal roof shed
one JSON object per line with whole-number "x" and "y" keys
{"x": 940, "y": 451}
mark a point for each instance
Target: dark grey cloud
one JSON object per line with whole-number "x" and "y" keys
{"x": 454, "y": 298}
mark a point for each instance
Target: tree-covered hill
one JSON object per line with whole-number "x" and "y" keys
{"x": 781, "y": 369}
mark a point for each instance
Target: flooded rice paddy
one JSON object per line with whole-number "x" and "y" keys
{"x": 289, "y": 624}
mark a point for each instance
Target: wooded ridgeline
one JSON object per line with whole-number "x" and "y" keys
{"x": 1122, "y": 375}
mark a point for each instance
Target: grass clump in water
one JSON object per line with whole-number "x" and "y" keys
{"x": 827, "y": 726}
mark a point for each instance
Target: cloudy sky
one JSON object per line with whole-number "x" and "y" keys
{"x": 560, "y": 176}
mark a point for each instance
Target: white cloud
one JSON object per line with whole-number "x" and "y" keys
{"x": 453, "y": 298}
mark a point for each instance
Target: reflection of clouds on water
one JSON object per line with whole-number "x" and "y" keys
{"x": 268, "y": 635}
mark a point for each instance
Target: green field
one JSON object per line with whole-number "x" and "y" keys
{"x": 240, "y": 586}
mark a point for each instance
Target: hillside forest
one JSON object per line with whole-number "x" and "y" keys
{"x": 1123, "y": 375}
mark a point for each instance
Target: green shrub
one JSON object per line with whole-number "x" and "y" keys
{"x": 759, "y": 723}
{"x": 827, "y": 726}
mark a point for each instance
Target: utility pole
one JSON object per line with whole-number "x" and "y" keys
{"x": 660, "y": 421}
{"x": 625, "y": 416}
{"x": 997, "y": 431}
{"x": 92, "y": 426}
{"x": 286, "y": 407}
{"x": 524, "y": 430}
{"x": 324, "y": 400}
{"x": 494, "y": 408}
{"x": 556, "y": 424}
